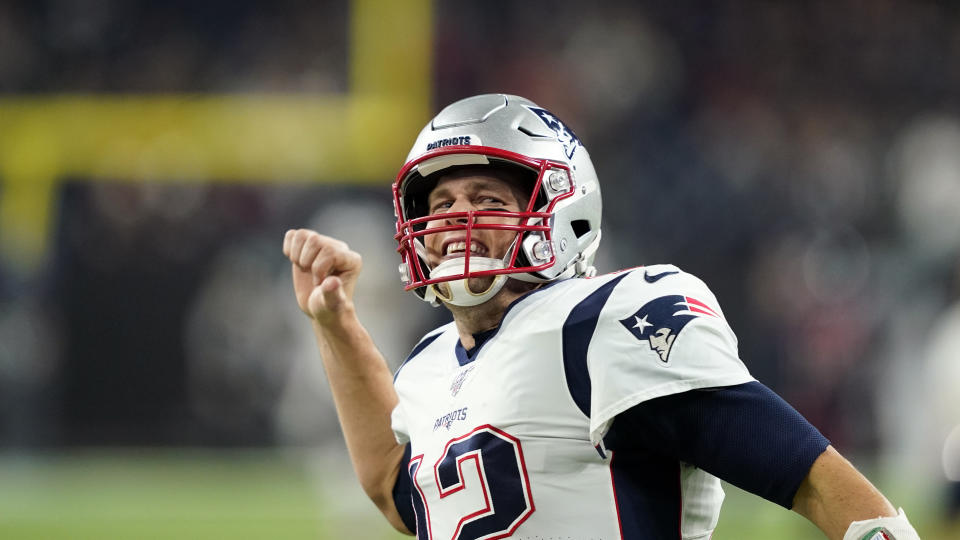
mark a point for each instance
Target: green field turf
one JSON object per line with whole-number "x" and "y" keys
{"x": 182, "y": 494}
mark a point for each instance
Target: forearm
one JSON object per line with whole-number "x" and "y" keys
{"x": 363, "y": 393}
{"x": 834, "y": 494}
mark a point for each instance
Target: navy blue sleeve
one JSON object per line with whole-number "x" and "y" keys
{"x": 402, "y": 494}
{"x": 744, "y": 434}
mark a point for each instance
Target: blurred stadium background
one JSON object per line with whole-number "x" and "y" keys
{"x": 156, "y": 378}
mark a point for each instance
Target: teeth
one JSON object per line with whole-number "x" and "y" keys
{"x": 460, "y": 247}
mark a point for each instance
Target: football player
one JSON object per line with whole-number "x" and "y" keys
{"x": 557, "y": 403}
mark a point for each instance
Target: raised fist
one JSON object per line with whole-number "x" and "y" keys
{"x": 325, "y": 272}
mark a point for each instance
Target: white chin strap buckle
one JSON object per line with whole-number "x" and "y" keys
{"x": 459, "y": 289}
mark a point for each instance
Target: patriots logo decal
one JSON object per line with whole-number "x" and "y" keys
{"x": 565, "y": 135}
{"x": 660, "y": 321}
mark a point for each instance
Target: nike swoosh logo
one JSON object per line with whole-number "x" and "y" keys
{"x": 653, "y": 278}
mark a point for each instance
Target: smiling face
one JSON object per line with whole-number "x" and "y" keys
{"x": 470, "y": 190}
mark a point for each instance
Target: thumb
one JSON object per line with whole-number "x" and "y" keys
{"x": 333, "y": 295}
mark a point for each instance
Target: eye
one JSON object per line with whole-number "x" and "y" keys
{"x": 440, "y": 205}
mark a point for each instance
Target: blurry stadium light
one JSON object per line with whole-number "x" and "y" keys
{"x": 361, "y": 136}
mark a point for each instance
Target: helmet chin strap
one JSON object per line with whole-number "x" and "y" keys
{"x": 460, "y": 293}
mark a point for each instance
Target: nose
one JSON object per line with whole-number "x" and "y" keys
{"x": 460, "y": 204}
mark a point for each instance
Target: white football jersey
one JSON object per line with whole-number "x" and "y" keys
{"x": 508, "y": 442}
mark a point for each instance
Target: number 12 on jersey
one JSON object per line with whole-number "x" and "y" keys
{"x": 504, "y": 484}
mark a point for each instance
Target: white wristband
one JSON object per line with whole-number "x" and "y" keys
{"x": 882, "y": 528}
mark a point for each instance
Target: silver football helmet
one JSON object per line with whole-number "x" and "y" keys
{"x": 558, "y": 233}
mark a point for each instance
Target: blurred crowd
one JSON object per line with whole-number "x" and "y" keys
{"x": 803, "y": 158}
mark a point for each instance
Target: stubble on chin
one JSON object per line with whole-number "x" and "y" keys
{"x": 480, "y": 285}
{"x": 477, "y": 285}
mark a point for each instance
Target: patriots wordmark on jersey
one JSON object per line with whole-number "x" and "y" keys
{"x": 507, "y": 440}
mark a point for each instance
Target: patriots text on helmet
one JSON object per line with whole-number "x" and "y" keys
{"x": 451, "y": 141}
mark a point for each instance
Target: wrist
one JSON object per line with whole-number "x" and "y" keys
{"x": 343, "y": 316}
{"x": 882, "y": 528}
{"x": 340, "y": 327}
